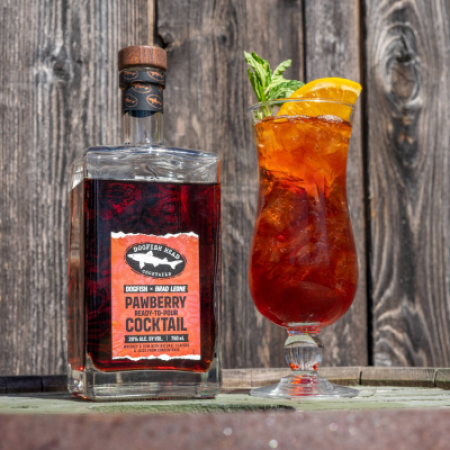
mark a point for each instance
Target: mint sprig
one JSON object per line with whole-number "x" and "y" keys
{"x": 268, "y": 85}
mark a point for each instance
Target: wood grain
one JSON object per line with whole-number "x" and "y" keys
{"x": 151, "y": 21}
{"x": 332, "y": 37}
{"x": 398, "y": 376}
{"x": 59, "y": 95}
{"x": 250, "y": 378}
{"x": 345, "y": 376}
{"x": 207, "y": 96}
{"x": 408, "y": 60}
{"x": 442, "y": 378}
{"x": 245, "y": 379}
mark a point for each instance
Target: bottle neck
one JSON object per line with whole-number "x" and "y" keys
{"x": 142, "y": 105}
{"x": 142, "y": 127}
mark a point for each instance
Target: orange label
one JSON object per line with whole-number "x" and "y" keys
{"x": 155, "y": 296}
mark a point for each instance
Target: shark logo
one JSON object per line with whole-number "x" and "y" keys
{"x": 130, "y": 101}
{"x": 142, "y": 88}
{"x": 129, "y": 75}
{"x": 155, "y": 260}
{"x": 155, "y": 101}
{"x": 148, "y": 258}
{"x": 155, "y": 76}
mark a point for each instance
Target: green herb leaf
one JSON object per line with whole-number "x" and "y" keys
{"x": 284, "y": 90}
{"x": 262, "y": 74}
{"x": 268, "y": 85}
{"x": 277, "y": 76}
{"x": 256, "y": 85}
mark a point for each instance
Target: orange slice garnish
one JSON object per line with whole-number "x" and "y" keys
{"x": 338, "y": 89}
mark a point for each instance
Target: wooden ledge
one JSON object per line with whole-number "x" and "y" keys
{"x": 346, "y": 376}
{"x": 250, "y": 378}
{"x": 399, "y": 376}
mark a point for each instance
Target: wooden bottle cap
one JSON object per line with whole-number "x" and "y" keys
{"x": 142, "y": 55}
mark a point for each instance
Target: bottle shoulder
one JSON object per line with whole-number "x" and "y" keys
{"x": 156, "y": 163}
{"x": 151, "y": 149}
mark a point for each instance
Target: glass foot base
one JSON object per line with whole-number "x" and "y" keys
{"x": 300, "y": 386}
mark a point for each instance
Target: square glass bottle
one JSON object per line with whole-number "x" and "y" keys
{"x": 144, "y": 255}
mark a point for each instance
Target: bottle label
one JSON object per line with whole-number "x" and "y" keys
{"x": 155, "y": 296}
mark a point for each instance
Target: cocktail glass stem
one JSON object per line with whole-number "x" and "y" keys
{"x": 304, "y": 350}
{"x": 304, "y": 353}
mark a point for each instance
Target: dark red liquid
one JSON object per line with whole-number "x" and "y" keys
{"x": 303, "y": 264}
{"x": 147, "y": 208}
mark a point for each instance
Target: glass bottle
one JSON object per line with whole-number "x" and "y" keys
{"x": 144, "y": 255}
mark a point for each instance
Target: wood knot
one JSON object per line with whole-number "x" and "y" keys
{"x": 401, "y": 65}
{"x": 167, "y": 40}
{"x": 400, "y": 74}
{"x": 62, "y": 69}
{"x": 225, "y": 36}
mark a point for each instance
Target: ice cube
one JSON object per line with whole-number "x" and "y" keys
{"x": 331, "y": 119}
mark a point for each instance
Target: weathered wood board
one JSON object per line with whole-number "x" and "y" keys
{"x": 59, "y": 82}
{"x": 207, "y": 97}
{"x": 332, "y": 49}
{"x": 233, "y": 401}
{"x": 59, "y": 94}
{"x": 384, "y": 421}
{"x": 237, "y": 380}
{"x": 408, "y": 59}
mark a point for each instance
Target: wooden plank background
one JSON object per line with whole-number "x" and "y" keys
{"x": 333, "y": 49}
{"x": 59, "y": 95}
{"x": 207, "y": 98}
{"x": 207, "y": 77}
{"x": 408, "y": 60}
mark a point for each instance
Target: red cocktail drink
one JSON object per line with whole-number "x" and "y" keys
{"x": 303, "y": 266}
{"x": 303, "y": 269}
